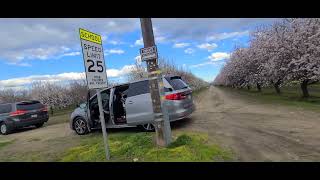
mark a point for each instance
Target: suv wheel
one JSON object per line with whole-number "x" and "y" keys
{"x": 80, "y": 126}
{"x": 148, "y": 127}
{"x": 4, "y": 129}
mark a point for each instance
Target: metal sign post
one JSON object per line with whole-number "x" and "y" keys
{"x": 150, "y": 55}
{"x": 96, "y": 76}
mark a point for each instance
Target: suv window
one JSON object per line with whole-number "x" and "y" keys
{"x": 176, "y": 82}
{"x": 27, "y": 106}
{"x": 5, "y": 108}
{"x": 137, "y": 88}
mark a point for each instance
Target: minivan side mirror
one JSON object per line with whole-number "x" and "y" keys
{"x": 83, "y": 105}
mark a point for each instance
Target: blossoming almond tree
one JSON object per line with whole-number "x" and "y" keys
{"x": 287, "y": 51}
{"x": 304, "y": 44}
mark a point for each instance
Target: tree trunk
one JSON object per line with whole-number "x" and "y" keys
{"x": 258, "y": 87}
{"x": 276, "y": 86}
{"x": 248, "y": 87}
{"x": 304, "y": 88}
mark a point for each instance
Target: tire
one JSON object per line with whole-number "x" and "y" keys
{"x": 4, "y": 129}
{"x": 148, "y": 127}
{"x": 80, "y": 126}
{"x": 39, "y": 125}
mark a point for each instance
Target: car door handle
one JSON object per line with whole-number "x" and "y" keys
{"x": 130, "y": 102}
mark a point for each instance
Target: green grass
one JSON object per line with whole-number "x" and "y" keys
{"x": 59, "y": 112}
{"x": 60, "y": 116}
{"x": 5, "y": 143}
{"x": 290, "y": 96}
{"x": 59, "y": 119}
{"x": 141, "y": 147}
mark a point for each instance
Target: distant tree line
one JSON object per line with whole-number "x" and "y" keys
{"x": 58, "y": 95}
{"x": 284, "y": 52}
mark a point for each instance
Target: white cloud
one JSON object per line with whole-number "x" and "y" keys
{"x": 214, "y": 59}
{"x": 139, "y": 42}
{"x": 33, "y": 53}
{"x": 104, "y": 37}
{"x": 41, "y": 38}
{"x": 181, "y": 29}
{"x": 113, "y": 42}
{"x": 226, "y": 35}
{"x": 201, "y": 64}
{"x": 20, "y": 64}
{"x": 113, "y": 51}
{"x": 138, "y": 59}
{"x": 218, "y": 56}
{"x": 189, "y": 51}
{"x": 76, "y": 53}
{"x": 208, "y": 46}
{"x": 160, "y": 39}
{"x": 120, "y": 72}
{"x": 215, "y": 63}
{"x": 15, "y": 82}
{"x": 181, "y": 45}
{"x": 50, "y": 78}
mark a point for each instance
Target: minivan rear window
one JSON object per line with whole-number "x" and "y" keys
{"x": 5, "y": 108}
{"x": 176, "y": 82}
{"x": 27, "y": 106}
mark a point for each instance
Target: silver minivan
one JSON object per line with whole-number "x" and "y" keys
{"x": 130, "y": 105}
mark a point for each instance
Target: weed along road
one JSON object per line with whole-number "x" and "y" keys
{"x": 252, "y": 130}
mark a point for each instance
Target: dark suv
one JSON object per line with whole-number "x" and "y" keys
{"x": 22, "y": 114}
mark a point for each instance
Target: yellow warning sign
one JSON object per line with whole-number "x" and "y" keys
{"x": 89, "y": 36}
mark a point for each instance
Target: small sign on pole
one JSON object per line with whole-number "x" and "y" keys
{"x": 149, "y": 53}
{"x": 96, "y": 75}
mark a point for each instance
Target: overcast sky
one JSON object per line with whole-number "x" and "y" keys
{"x": 49, "y": 49}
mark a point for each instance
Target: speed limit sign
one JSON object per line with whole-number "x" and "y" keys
{"x": 96, "y": 74}
{"x": 93, "y": 57}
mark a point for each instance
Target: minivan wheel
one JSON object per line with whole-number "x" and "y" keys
{"x": 148, "y": 127}
{"x": 4, "y": 129}
{"x": 80, "y": 126}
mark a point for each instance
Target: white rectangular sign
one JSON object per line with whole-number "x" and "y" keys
{"x": 148, "y": 53}
{"x": 93, "y": 57}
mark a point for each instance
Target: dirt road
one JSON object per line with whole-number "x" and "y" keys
{"x": 255, "y": 131}
{"x": 42, "y": 144}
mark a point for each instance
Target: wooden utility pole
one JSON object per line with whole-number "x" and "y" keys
{"x": 161, "y": 117}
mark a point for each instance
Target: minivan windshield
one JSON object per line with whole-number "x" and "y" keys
{"x": 176, "y": 83}
{"x": 31, "y": 105}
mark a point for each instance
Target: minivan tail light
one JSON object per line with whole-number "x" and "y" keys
{"x": 18, "y": 112}
{"x": 175, "y": 96}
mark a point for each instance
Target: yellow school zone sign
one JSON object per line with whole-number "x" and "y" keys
{"x": 89, "y": 36}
